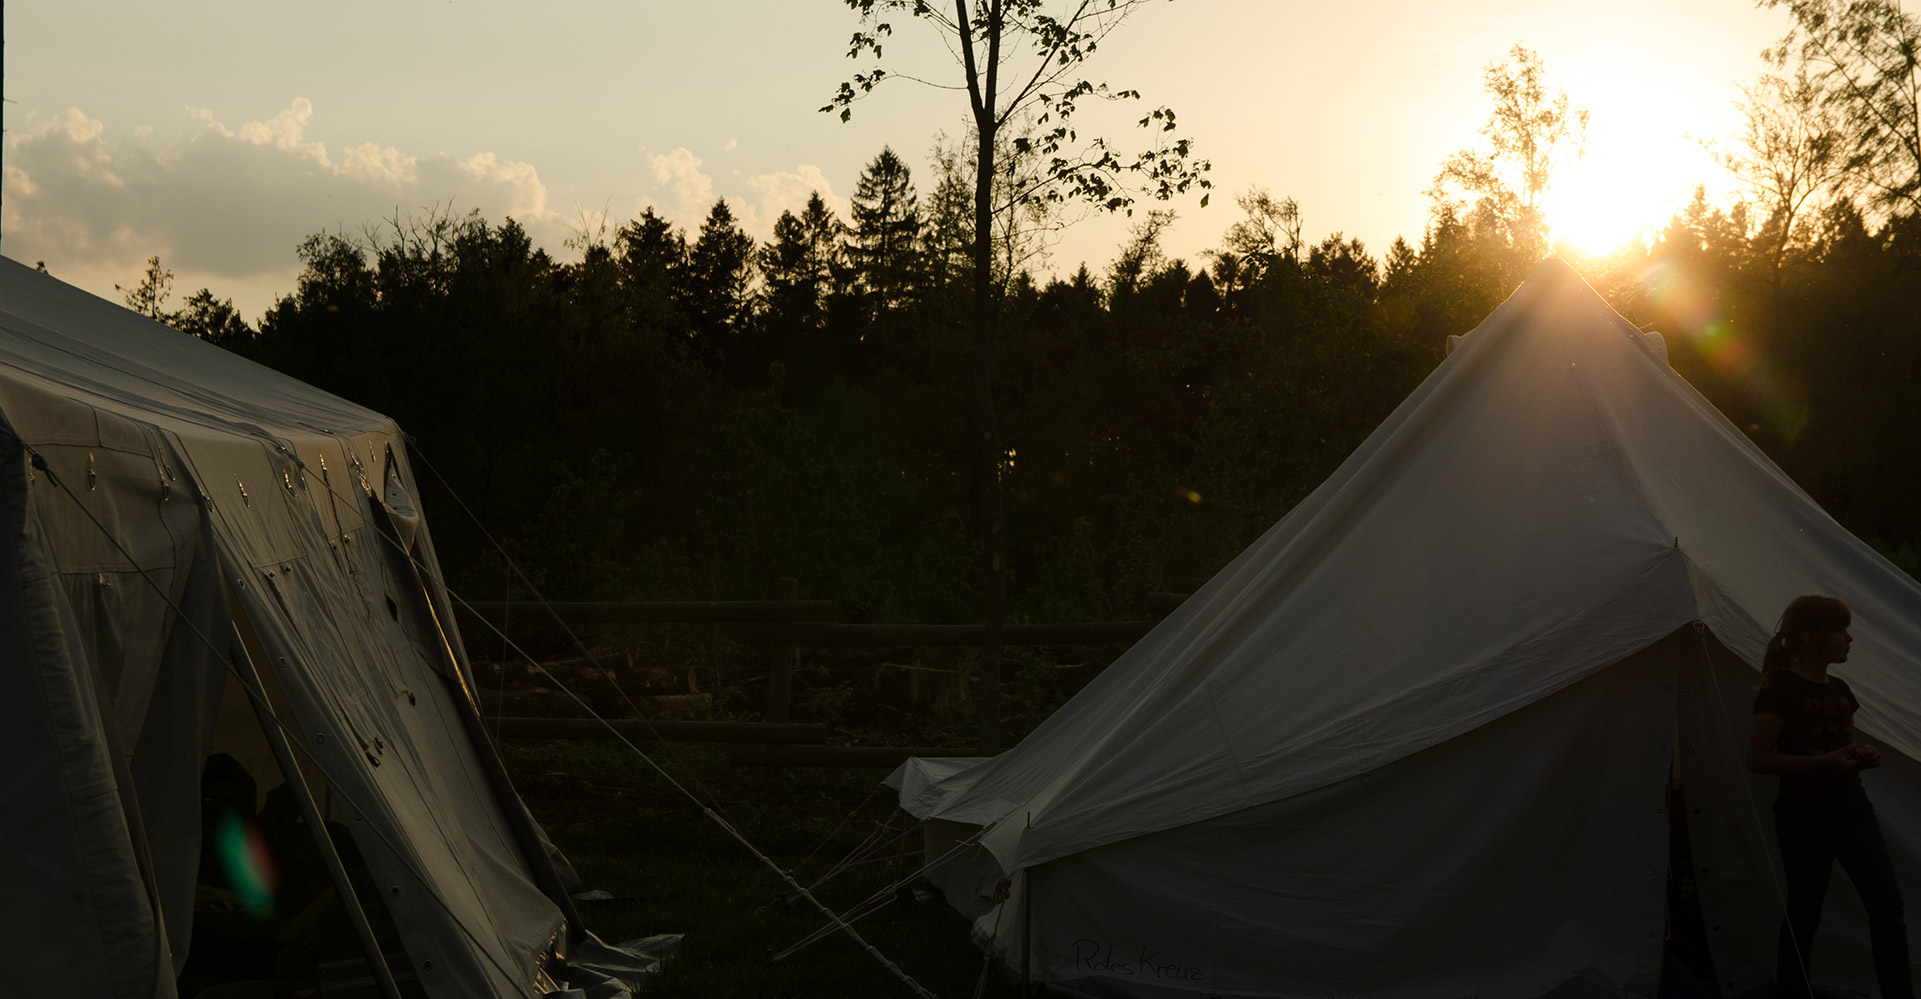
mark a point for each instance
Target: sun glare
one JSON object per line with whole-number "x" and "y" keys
{"x": 1639, "y": 169}
{"x": 1599, "y": 208}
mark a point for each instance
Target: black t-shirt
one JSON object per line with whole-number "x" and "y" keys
{"x": 1819, "y": 720}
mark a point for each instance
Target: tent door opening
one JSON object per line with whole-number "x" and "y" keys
{"x": 268, "y": 917}
{"x": 1687, "y": 966}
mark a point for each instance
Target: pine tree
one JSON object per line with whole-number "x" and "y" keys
{"x": 799, "y": 268}
{"x": 719, "y": 271}
{"x": 884, "y": 241}
{"x": 651, "y": 255}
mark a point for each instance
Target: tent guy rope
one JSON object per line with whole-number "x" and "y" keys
{"x": 711, "y": 813}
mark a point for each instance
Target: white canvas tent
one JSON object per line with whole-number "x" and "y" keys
{"x": 1417, "y": 739}
{"x": 175, "y": 516}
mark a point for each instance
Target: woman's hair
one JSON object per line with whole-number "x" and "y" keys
{"x": 1812, "y": 614}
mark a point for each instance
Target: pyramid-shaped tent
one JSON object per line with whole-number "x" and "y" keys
{"x": 1417, "y": 740}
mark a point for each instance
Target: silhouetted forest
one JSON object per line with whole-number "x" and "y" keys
{"x": 688, "y": 413}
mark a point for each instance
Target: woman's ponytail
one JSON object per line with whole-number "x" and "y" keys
{"x": 1810, "y": 615}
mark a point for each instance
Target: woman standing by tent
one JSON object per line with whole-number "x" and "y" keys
{"x": 1803, "y": 731}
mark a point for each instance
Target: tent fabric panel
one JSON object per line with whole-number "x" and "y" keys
{"x": 128, "y": 548}
{"x": 109, "y": 358}
{"x": 364, "y": 688}
{"x": 1737, "y": 866}
{"x": 268, "y": 507}
{"x": 79, "y": 918}
{"x": 1459, "y": 695}
{"x": 182, "y": 715}
{"x": 1503, "y": 863}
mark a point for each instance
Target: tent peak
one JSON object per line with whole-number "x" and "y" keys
{"x": 1552, "y": 270}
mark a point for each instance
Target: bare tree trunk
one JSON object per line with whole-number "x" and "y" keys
{"x": 987, "y": 467}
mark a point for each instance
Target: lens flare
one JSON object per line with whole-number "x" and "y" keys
{"x": 249, "y": 865}
{"x": 1687, "y": 308}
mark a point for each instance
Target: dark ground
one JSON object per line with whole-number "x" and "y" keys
{"x": 672, "y": 869}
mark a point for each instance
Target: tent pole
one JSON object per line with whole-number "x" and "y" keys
{"x": 316, "y": 823}
{"x": 1027, "y": 933}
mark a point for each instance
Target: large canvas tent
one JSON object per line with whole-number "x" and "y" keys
{"x": 178, "y": 520}
{"x": 1419, "y": 738}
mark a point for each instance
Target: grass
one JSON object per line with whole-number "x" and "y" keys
{"x": 672, "y": 869}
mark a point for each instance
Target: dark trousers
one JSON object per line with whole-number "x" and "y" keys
{"x": 1812, "y": 842}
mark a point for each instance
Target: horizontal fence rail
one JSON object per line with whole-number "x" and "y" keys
{"x": 642, "y": 730}
{"x": 657, "y": 612}
{"x": 878, "y": 757}
{"x": 1089, "y": 633}
{"x": 783, "y": 625}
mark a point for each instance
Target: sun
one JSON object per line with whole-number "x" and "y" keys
{"x": 1603, "y": 203}
{"x": 1638, "y": 169}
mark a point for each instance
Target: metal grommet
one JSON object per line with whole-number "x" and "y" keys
{"x": 396, "y": 891}
{"x": 320, "y": 739}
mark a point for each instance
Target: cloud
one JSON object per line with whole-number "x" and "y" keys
{"x": 225, "y": 206}
{"x": 788, "y": 192}
{"x": 691, "y": 192}
{"x": 687, "y": 193}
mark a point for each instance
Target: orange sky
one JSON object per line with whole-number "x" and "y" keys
{"x": 220, "y": 134}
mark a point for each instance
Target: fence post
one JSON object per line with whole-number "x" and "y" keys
{"x": 780, "y": 667}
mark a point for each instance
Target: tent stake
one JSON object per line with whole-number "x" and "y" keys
{"x": 316, "y": 823}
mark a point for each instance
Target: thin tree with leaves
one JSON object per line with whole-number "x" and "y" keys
{"x": 1788, "y": 157}
{"x": 1016, "y": 59}
{"x": 1864, "y": 56}
{"x": 1531, "y": 131}
{"x": 149, "y": 297}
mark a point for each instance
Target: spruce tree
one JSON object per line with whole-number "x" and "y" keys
{"x": 884, "y": 236}
{"x": 719, "y": 270}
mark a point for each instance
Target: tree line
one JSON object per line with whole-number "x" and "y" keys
{"x": 689, "y": 413}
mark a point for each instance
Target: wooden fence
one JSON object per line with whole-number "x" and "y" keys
{"x": 783, "y": 625}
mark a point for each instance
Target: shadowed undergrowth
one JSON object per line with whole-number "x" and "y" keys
{"x": 674, "y": 870}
